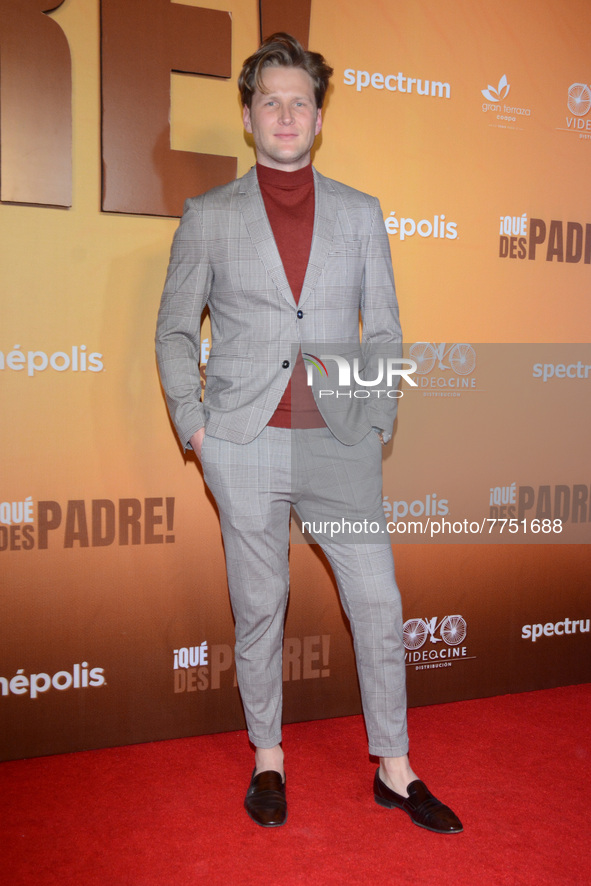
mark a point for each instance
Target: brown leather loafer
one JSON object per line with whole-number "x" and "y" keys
{"x": 425, "y": 810}
{"x": 265, "y": 799}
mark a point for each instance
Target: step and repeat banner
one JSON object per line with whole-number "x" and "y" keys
{"x": 472, "y": 124}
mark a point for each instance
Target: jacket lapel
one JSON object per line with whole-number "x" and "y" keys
{"x": 257, "y": 223}
{"x": 325, "y": 217}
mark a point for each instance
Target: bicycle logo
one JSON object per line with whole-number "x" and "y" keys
{"x": 579, "y": 99}
{"x": 461, "y": 357}
{"x": 416, "y": 630}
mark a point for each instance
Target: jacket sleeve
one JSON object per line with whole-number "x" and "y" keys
{"x": 178, "y": 332}
{"x": 382, "y": 336}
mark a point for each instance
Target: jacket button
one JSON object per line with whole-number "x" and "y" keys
{"x": 285, "y": 364}
{"x": 300, "y": 314}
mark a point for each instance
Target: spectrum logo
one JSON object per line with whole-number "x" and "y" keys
{"x": 400, "y": 83}
{"x": 431, "y": 505}
{"x": 555, "y": 629}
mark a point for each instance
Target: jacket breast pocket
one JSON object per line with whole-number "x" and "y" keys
{"x": 346, "y": 247}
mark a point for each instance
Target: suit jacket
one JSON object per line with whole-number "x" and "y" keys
{"x": 224, "y": 256}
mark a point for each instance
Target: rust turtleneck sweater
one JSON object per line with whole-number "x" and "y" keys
{"x": 289, "y": 202}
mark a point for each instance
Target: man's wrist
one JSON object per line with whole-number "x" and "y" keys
{"x": 380, "y": 433}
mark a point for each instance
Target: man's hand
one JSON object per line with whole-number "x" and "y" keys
{"x": 196, "y": 442}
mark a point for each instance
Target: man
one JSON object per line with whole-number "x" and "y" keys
{"x": 287, "y": 260}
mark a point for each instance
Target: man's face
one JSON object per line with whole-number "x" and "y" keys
{"x": 284, "y": 119}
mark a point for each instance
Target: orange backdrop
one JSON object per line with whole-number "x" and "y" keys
{"x": 471, "y": 121}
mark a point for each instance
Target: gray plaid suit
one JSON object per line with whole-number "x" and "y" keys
{"x": 224, "y": 256}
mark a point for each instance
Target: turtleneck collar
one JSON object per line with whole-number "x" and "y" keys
{"x": 279, "y": 178}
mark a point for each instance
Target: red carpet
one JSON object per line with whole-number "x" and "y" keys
{"x": 516, "y": 769}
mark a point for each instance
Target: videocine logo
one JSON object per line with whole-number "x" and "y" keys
{"x": 579, "y": 104}
{"x": 452, "y": 633}
{"x": 444, "y": 370}
{"x": 389, "y": 371}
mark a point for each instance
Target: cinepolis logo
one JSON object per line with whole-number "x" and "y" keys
{"x": 450, "y": 631}
{"x": 76, "y": 359}
{"x": 437, "y": 228}
{"x": 80, "y": 677}
{"x": 389, "y": 371}
{"x": 431, "y": 505}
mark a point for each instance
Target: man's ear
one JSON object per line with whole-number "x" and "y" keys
{"x": 318, "y": 121}
{"x": 246, "y": 118}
